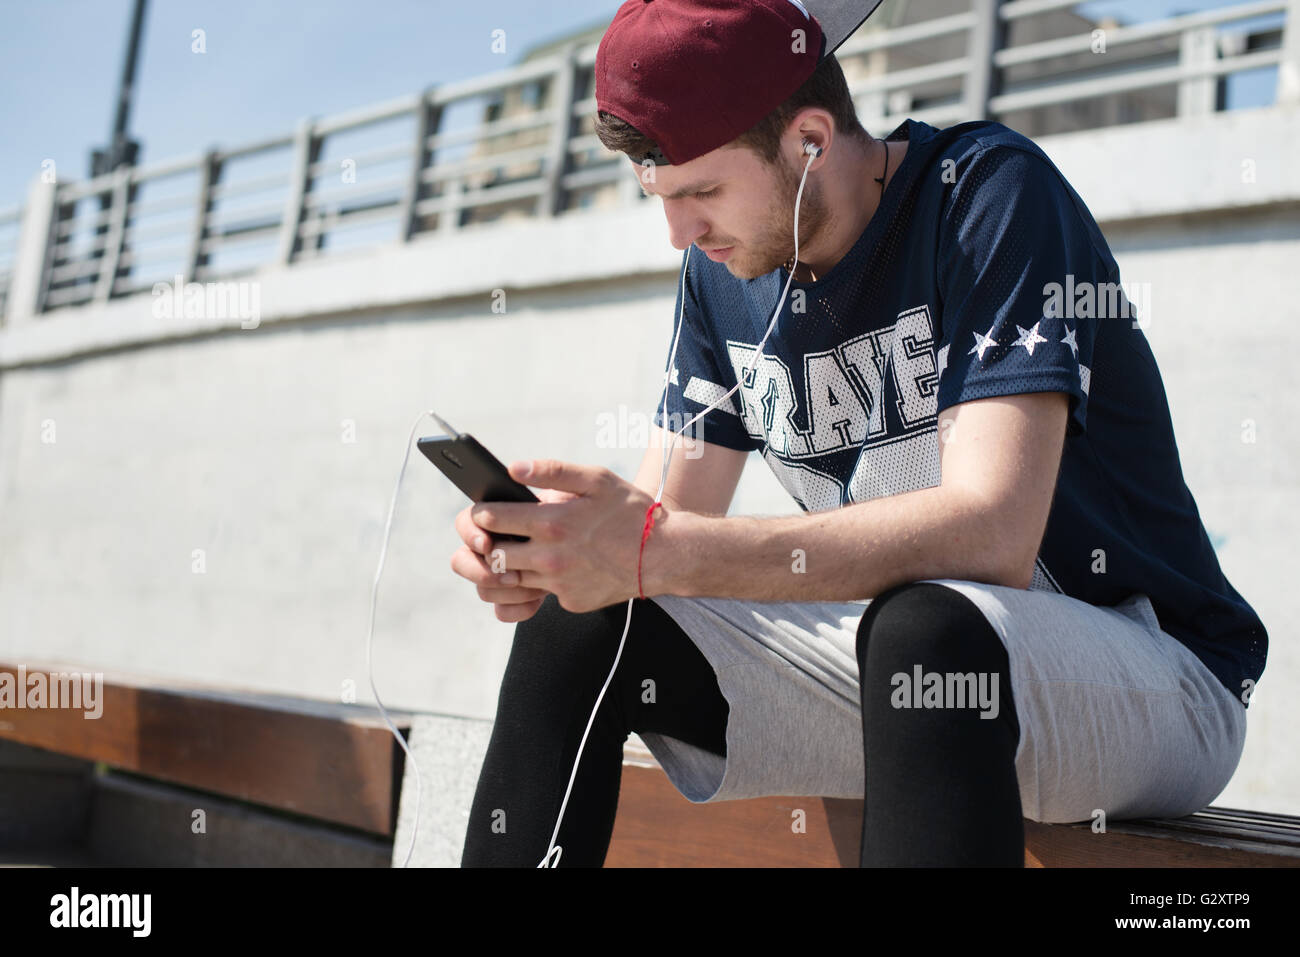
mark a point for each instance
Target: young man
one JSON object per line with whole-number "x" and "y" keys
{"x": 999, "y": 601}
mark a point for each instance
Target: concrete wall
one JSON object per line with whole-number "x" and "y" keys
{"x": 190, "y": 498}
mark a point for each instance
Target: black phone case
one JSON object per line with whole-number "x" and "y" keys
{"x": 476, "y": 472}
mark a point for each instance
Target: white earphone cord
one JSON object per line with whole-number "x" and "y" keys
{"x": 554, "y": 850}
{"x": 370, "y": 631}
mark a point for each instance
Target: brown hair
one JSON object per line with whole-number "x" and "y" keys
{"x": 826, "y": 88}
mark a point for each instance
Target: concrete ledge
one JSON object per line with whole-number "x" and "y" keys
{"x": 1183, "y": 165}
{"x": 578, "y": 247}
{"x": 449, "y": 752}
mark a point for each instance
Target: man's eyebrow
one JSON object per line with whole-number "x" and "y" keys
{"x": 689, "y": 190}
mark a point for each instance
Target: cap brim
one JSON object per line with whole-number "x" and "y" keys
{"x": 839, "y": 18}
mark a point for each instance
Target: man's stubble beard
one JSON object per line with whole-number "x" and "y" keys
{"x": 773, "y": 248}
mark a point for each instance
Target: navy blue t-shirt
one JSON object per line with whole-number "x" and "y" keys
{"x": 981, "y": 274}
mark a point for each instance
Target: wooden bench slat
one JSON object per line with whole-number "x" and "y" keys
{"x": 1264, "y": 821}
{"x": 1224, "y": 838}
{"x": 657, "y": 827}
{"x": 336, "y": 763}
{"x": 1284, "y": 840}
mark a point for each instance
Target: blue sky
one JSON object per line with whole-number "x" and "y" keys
{"x": 267, "y": 64}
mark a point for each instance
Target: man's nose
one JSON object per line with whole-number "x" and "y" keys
{"x": 684, "y": 226}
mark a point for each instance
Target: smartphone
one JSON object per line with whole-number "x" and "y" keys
{"x": 474, "y": 470}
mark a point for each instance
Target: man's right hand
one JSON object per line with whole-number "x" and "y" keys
{"x": 473, "y": 562}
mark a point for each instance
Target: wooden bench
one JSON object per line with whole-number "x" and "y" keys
{"x": 657, "y": 827}
{"x": 317, "y": 780}
{"x": 318, "y": 783}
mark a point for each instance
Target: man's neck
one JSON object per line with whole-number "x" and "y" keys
{"x": 847, "y": 179}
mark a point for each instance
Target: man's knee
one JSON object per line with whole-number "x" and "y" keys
{"x": 928, "y": 624}
{"x": 939, "y": 629}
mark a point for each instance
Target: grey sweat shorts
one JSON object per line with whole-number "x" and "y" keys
{"x": 1114, "y": 713}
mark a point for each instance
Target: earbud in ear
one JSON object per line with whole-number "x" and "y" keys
{"x": 812, "y": 149}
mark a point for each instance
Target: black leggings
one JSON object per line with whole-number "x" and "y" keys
{"x": 941, "y": 785}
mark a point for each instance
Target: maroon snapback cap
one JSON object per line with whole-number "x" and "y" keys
{"x": 694, "y": 74}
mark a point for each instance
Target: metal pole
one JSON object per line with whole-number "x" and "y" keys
{"x": 121, "y": 149}
{"x": 127, "y": 86}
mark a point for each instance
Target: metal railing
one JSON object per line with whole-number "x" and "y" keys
{"x": 405, "y": 169}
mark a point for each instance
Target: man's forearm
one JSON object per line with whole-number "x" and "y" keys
{"x": 849, "y": 553}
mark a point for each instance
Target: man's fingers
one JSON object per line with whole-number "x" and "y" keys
{"x": 562, "y": 476}
{"x": 468, "y": 563}
{"x": 471, "y": 534}
{"x": 552, "y": 495}
{"x": 472, "y": 566}
{"x": 518, "y": 612}
{"x": 510, "y": 594}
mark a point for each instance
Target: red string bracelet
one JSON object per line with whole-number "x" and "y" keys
{"x": 645, "y": 534}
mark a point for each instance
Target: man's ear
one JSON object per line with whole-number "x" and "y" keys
{"x": 812, "y": 124}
